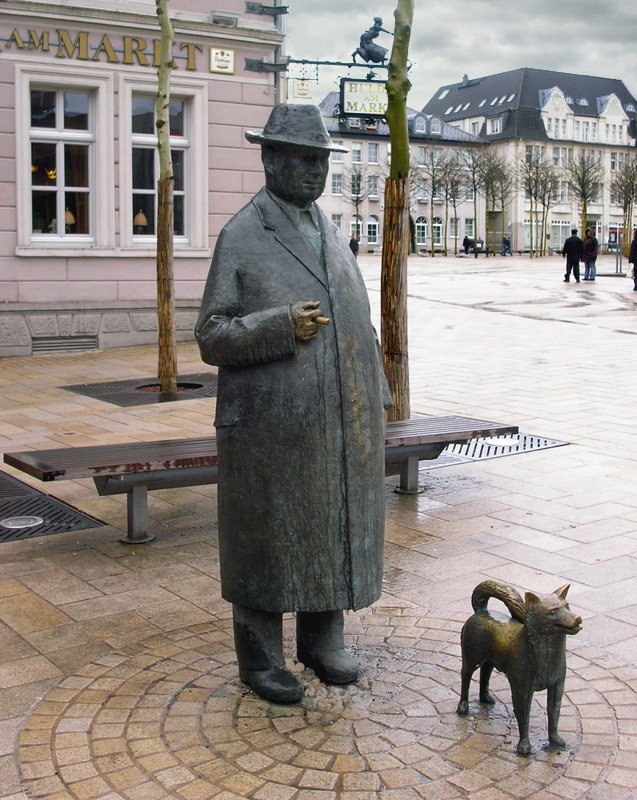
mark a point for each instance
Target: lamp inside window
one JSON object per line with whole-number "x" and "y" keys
{"x": 140, "y": 223}
{"x": 69, "y": 220}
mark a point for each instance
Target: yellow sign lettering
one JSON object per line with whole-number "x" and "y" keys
{"x": 67, "y": 48}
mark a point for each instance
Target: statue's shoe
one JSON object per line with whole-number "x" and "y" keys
{"x": 277, "y": 684}
{"x": 331, "y": 666}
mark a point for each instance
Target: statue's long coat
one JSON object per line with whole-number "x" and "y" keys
{"x": 300, "y": 425}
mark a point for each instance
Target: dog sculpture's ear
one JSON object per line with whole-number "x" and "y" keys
{"x": 530, "y": 598}
{"x": 562, "y": 591}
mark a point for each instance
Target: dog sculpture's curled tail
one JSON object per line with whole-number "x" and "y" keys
{"x": 511, "y": 598}
{"x": 529, "y": 647}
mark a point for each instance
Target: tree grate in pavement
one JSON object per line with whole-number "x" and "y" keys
{"x": 128, "y": 393}
{"x": 26, "y": 513}
{"x": 491, "y": 447}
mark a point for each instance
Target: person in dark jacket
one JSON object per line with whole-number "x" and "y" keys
{"x": 299, "y": 416}
{"x": 353, "y": 244}
{"x": 632, "y": 258}
{"x": 573, "y": 250}
{"x": 466, "y": 245}
{"x": 591, "y": 248}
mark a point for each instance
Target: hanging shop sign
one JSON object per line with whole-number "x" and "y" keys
{"x": 363, "y": 98}
{"x": 128, "y": 50}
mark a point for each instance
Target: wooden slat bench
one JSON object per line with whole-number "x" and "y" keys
{"x": 138, "y": 467}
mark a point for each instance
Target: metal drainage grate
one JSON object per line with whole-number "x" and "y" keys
{"x": 25, "y": 513}
{"x": 130, "y": 393}
{"x": 491, "y": 447}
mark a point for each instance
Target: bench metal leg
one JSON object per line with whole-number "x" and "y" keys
{"x": 137, "y": 516}
{"x": 409, "y": 477}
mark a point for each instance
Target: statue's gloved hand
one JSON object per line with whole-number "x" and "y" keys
{"x": 306, "y": 317}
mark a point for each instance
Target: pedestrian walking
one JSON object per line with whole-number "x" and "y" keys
{"x": 632, "y": 258}
{"x": 591, "y": 248}
{"x": 466, "y": 245}
{"x": 353, "y": 244}
{"x": 573, "y": 250}
{"x": 506, "y": 246}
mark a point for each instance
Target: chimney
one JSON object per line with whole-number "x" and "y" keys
{"x": 465, "y": 79}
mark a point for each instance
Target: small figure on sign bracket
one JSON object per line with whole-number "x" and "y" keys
{"x": 368, "y": 50}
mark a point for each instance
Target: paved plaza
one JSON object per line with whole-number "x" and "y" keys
{"x": 118, "y": 678}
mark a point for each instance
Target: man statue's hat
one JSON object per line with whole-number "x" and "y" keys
{"x": 300, "y": 125}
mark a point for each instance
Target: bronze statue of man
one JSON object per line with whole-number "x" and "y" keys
{"x": 299, "y": 416}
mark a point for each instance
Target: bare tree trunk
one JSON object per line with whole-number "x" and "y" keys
{"x": 396, "y": 221}
{"x": 393, "y": 324}
{"x": 167, "y": 357}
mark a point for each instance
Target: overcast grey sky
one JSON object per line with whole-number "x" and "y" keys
{"x": 477, "y": 37}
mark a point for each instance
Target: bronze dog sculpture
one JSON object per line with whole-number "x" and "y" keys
{"x": 529, "y": 648}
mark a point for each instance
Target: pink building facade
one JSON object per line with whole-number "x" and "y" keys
{"x": 79, "y": 163}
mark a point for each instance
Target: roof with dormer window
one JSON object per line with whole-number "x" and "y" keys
{"x": 522, "y": 93}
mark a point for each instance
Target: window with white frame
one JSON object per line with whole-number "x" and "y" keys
{"x": 336, "y": 155}
{"x": 422, "y": 189}
{"x": 356, "y": 226}
{"x": 62, "y": 143}
{"x": 475, "y": 128}
{"x": 64, "y": 140}
{"x": 494, "y": 125}
{"x": 372, "y": 187}
{"x": 468, "y": 227}
{"x": 468, "y": 192}
{"x": 337, "y": 219}
{"x": 437, "y": 230}
{"x": 145, "y": 164}
{"x": 454, "y": 227}
{"x": 421, "y": 155}
{"x": 372, "y": 152}
{"x": 357, "y": 152}
{"x": 337, "y": 184}
{"x": 422, "y": 225}
{"x": 436, "y": 124}
{"x": 420, "y": 125}
{"x": 373, "y": 227}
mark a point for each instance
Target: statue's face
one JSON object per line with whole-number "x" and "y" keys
{"x": 296, "y": 174}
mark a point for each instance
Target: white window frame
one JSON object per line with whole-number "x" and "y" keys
{"x": 357, "y": 152}
{"x": 372, "y": 152}
{"x": 373, "y": 230}
{"x": 421, "y": 231}
{"x": 101, "y": 240}
{"x": 337, "y": 184}
{"x": 372, "y": 187}
{"x": 337, "y": 155}
{"x": 436, "y": 124}
{"x": 420, "y": 125}
{"x": 356, "y": 226}
{"x": 337, "y": 219}
{"x": 195, "y": 240}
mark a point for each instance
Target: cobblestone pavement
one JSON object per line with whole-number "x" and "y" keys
{"x": 117, "y": 672}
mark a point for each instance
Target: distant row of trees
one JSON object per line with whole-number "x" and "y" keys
{"x": 450, "y": 176}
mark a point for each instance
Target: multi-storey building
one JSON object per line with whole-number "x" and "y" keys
{"x": 560, "y": 115}
{"x": 354, "y": 191}
{"x": 78, "y": 192}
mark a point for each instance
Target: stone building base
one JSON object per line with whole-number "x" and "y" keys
{"x": 27, "y": 330}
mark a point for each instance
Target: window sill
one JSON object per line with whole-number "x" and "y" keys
{"x": 108, "y": 252}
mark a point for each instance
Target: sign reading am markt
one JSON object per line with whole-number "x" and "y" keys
{"x": 363, "y": 98}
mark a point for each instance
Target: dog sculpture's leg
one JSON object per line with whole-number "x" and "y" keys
{"x": 553, "y": 706}
{"x": 485, "y": 675}
{"x": 467, "y": 672}
{"x": 522, "y": 698}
